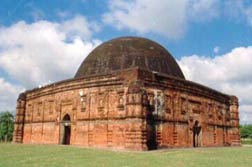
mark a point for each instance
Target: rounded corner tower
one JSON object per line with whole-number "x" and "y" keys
{"x": 129, "y": 52}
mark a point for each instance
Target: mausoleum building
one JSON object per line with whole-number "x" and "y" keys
{"x": 129, "y": 93}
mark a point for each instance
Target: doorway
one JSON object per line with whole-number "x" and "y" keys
{"x": 67, "y": 134}
{"x": 151, "y": 137}
{"x": 151, "y": 131}
{"x": 66, "y": 130}
{"x": 196, "y": 133}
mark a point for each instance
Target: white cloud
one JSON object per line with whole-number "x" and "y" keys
{"x": 172, "y": 18}
{"x": 145, "y": 16}
{"x": 203, "y": 10}
{"x": 239, "y": 10}
{"x": 229, "y": 73}
{"x": 9, "y": 94}
{"x": 43, "y": 51}
{"x": 168, "y": 18}
{"x": 246, "y": 114}
{"x": 216, "y": 49}
{"x": 79, "y": 27}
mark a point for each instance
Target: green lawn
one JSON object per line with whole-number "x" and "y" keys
{"x": 18, "y": 155}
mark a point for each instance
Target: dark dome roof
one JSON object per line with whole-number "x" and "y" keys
{"x": 127, "y": 52}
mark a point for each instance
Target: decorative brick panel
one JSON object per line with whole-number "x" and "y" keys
{"x": 132, "y": 109}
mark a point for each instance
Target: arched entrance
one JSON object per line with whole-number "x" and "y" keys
{"x": 66, "y": 130}
{"x": 151, "y": 137}
{"x": 151, "y": 132}
{"x": 196, "y": 133}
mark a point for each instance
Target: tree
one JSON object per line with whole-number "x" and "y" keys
{"x": 6, "y": 126}
{"x": 246, "y": 131}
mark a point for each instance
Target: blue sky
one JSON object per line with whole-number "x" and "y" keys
{"x": 211, "y": 40}
{"x": 200, "y": 37}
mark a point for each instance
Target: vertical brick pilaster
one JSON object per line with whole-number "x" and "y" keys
{"x": 19, "y": 121}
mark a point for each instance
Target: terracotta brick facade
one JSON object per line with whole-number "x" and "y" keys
{"x": 132, "y": 109}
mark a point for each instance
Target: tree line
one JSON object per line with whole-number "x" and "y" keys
{"x": 246, "y": 131}
{"x": 6, "y": 126}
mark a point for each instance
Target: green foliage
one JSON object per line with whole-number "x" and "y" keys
{"x": 6, "y": 126}
{"x": 246, "y": 131}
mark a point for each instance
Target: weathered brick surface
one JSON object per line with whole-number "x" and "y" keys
{"x": 132, "y": 109}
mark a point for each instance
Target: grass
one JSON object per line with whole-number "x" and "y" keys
{"x": 66, "y": 156}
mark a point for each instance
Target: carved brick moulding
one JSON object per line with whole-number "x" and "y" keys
{"x": 129, "y": 94}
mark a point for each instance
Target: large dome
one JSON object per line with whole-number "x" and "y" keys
{"x": 129, "y": 52}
